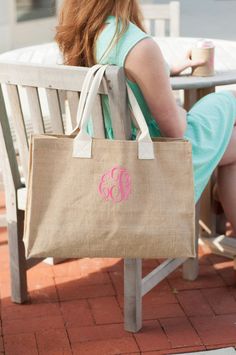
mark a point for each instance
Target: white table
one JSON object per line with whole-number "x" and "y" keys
{"x": 172, "y": 48}
{"x": 194, "y": 87}
{"x": 225, "y": 61}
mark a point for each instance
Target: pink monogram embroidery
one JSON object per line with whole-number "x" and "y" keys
{"x": 115, "y": 185}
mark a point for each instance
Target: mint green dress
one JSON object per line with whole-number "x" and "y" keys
{"x": 209, "y": 123}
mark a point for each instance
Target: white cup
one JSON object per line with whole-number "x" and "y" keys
{"x": 204, "y": 50}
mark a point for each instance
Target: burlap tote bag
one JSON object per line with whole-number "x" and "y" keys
{"x": 108, "y": 198}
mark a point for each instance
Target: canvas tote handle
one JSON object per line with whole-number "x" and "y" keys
{"x": 83, "y": 95}
{"x": 145, "y": 142}
{"x": 82, "y": 147}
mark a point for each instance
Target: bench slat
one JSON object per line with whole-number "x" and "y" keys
{"x": 97, "y": 117}
{"x": 120, "y": 116}
{"x": 73, "y": 101}
{"x": 59, "y": 77}
{"x": 35, "y": 110}
{"x": 19, "y": 125}
{"x": 55, "y": 111}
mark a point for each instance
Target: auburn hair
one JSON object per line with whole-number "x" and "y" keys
{"x": 81, "y": 21}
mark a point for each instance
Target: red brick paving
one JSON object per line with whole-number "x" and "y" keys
{"x": 208, "y": 277}
{"x": 221, "y": 300}
{"x": 97, "y": 332}
{"x": 124, "y": 345}
{"x": 153, "y": 311}
{"x": 19, "y": 326}
{"x": 53, "y": 341}
{"x": 106, "y": 310}
{"x": 180, "y": 332}
{"x": 1, "y": 344}
{"x": 70, "y": 290}
{"x": 194, "y": 303}
{"x": 19, "y": 344}
{"x": 29, "y": 311}
{"x": 75, "y": 310}
{"x": 216, "y": 329}
{"x": 76, "y": 307}
{"x": 152, "y": 337}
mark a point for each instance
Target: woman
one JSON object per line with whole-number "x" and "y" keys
{"x": 111, "y": 32}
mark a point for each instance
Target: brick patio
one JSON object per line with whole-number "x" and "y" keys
{"x": 77, "y": 308}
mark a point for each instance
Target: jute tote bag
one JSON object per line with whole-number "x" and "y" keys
{"x": 108, "y": 198}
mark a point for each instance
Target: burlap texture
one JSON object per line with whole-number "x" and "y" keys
{"x": 67, "y": 216}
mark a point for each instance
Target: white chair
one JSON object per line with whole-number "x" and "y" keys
{"x": 162, "y": 19}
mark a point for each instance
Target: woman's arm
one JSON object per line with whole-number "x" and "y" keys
{"x": 185, "y": 63}
{"x": 145, "y": 66}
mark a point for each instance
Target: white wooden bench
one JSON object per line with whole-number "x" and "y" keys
{"x": 53, "y": 78}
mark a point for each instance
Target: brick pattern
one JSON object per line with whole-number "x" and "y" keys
{"x": 106, "y": 310}
{"x": 1, "y": 344}
{"x": 194, "y": 303}
{"x": 76, "y": 313}
{"x": 216, "y": 329}
{"x": 76, "y": 307}
{"x": 53, "y": 341}
{"x": 125, "y": 345}
{"x": 152, "y": 337}
{"x": 97, "y": 332}
{"x": 19, "y": 344}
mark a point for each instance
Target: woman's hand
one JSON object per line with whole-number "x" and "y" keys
{"x": 185, "y": 63}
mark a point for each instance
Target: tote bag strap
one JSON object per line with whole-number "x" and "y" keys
{"x": 145, "y": 142}
{"x": 82, "y": 147}
{"x": 83, "y": 96}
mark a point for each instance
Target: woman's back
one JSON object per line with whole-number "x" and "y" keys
{"x": 110, "y": 52}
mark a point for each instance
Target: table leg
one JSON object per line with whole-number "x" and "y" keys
{"x": 191, "y": 96}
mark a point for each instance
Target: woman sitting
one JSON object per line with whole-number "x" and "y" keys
{"x": 111, "y": 32}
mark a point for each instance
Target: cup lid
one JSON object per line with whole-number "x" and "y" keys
{"x": 204, "y": 43}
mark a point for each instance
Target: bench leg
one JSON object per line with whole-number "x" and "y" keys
{"x": 54, "y": 261}
{"x": 191, "y": 269}
{"x": 133, "y": 294}
{"x": 191, "y": 266}
{"x": 17, "y": 259}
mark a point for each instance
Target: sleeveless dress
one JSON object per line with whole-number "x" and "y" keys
{"x": 209, "y": 123}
